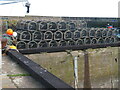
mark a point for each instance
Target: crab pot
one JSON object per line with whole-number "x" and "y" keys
{"x": 71, "y": 42}
{"x": 43, "y": 44}
{"x": 68, "y": 35}
{"x": 87, "y": 41}
{"x": 79, "y": 42}
{"x": 42, "y": 26}
{"x": 52, "y": 26}
{"x": 104, "y": 33}
{"x": 32, "y": 26}
{"x": 32, "y": 44}
{"x": 62, "y": 43}
{"x": 84, "y": 33}
{"x": 25, "y": 36}
{"x": 37, "y": 36}
{"x": 94, "y": 41}
{"x": 92, "y": 33}
{"x": 107, "y": 40}
{"x": 53, "y": 43}
{"x": 100, "y": 41}
{"x": 77, "y": 34}
{"x": 21, "y": 45}
{"x": 109, "y": 33}
{"x": 98, "y": 33}
{"x": 81, "y": 24}
{"x": 62, "y": 26}
{"x": 26, "y": 26}
{"x": 58, "y": 35}
{"x": 72, "y": 26}
{"x": 48, "y": 35}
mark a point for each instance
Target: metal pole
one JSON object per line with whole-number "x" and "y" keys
{"x": 76, "y": 72}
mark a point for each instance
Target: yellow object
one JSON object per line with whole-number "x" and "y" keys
{"x": 12, "y": 47}
{"x": 9, "y": 32}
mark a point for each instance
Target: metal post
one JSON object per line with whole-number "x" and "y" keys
{"x": 76, "y": 72}
{"x": 87, "y": 83}
{"x": 75, "y": 67}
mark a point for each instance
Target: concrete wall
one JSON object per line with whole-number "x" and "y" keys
{"x": 103, "y": 66}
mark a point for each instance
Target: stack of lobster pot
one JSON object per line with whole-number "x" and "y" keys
{"x": 34, "y": 34}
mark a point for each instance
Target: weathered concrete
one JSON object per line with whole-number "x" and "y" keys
{"x": 10, "y": 67}
{"x": 103, "y": 66}
{"x": 6, "y": 82}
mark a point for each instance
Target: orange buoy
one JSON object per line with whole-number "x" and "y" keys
{"x": 9, "y": 32}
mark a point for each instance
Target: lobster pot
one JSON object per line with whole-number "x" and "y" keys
{"x": 26, "y": 26}
{"x": 42, "y": 25}
{"x": 77, "y": 34}
{"x": 81, "y": 24}
{"x": 18, "y": 35}
{"x": 107, "y": 40}
{"x": 32, "y": 26}
{"x": 62, "y": 26}
{"x": 18, "y": 25}
{"x": 53, "y": 43}
{"x": 21, "y": 24}
{"x": 37, "y": 36}
{"x": 52, "y": 26}
{"x": 72, "y": 26}
{"x": 98, "y": 33}
{"x": 84, "y": 33}
{"x": 94, "y": 41}
{"x": 104, "y": 33}
{"x": 68, "y": 35}
{"x": 109, "y": 33}
{"x": 112, "y": 40}
{"x": 71, "y": 42}
{"x": 116, "y": 32}
{"x": 117, "y": 39}
{"x": 25, "y": 36}
{"x": 32, "y": 44}
{"x": 58, "y": 35}
{"x": 43, "y": 44}
{"x": 62, "y": 43}
{"x": 87, "y": 41}
{"x": 100, "y": 41}
{"x": 79, "y": 42}
{"x": 48, "y": 35}
{"x": 91, "y": 33}
{"x": 21, "y": 45}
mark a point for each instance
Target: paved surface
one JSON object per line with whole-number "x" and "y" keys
{"x": 16, "y": 78}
